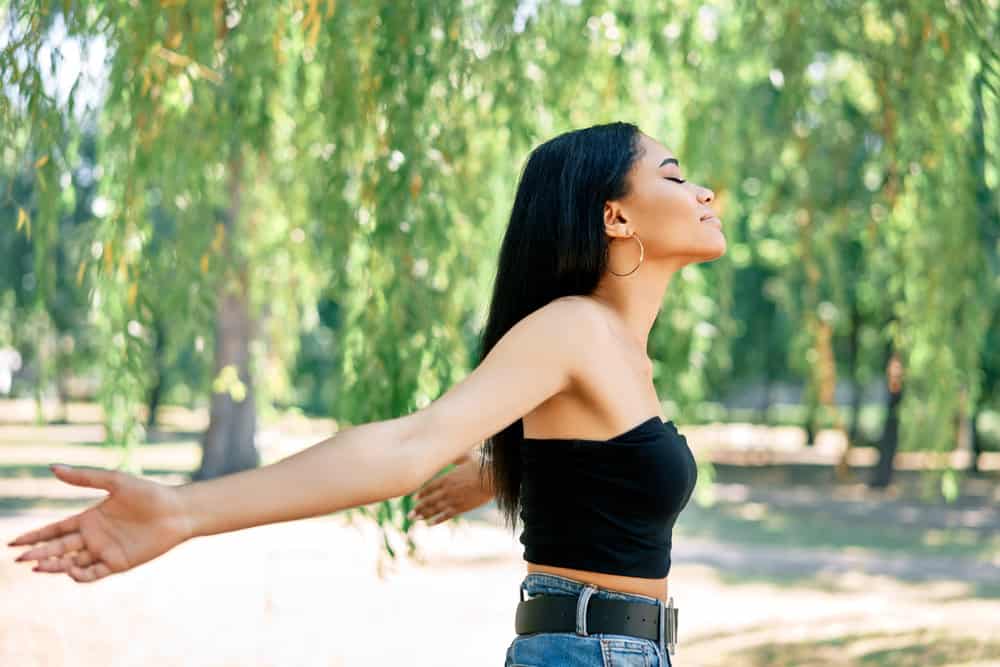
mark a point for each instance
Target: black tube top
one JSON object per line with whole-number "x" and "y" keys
{"x": 606, "y": 505}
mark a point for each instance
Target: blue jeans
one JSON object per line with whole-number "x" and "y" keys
{"x": 574, "y": 649}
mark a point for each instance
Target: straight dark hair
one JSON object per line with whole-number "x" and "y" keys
{"x": 554, "y": 246}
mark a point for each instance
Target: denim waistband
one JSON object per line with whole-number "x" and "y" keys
{"x": 538, "y": 583}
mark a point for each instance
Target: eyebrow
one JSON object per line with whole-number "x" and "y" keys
{"x": 668, "y": 161}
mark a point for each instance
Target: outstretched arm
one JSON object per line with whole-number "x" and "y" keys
{"x": 141, "y": 519}
{"x": 359, "y": 465}
{"x": 537, "y": 358}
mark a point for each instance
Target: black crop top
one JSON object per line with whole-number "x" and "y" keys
{"x": 606, "y": 505}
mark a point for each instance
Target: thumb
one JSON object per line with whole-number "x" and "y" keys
{"x": 97, "y": 478}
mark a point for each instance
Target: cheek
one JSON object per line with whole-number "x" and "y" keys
{"x": 669, "y": 206}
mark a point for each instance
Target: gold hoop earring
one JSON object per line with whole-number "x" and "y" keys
{"x": 642, "y": 252}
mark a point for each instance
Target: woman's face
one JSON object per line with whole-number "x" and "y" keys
{"x": 665, "y": 213}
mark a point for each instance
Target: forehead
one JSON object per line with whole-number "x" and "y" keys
{"x": 653, "y": 153}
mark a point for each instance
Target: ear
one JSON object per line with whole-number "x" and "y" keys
{"x": 615, "y": 224}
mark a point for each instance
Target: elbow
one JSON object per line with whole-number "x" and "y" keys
{"x": 413, "y": 454}
{"x": 418, "y": 452}
{"x": 376, "y": 461}
{"x": 428, "y": 445}
{"x": 416, "y": 470}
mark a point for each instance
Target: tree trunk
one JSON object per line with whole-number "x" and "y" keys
{"x": 812, "y": 415}
{"x": 882, "y": 474}
{"x": 772, "y": 377}
{"x": 976, "y": 443}
{"x": 842, "y": 470}
{"x": 228, "y": 445}
{"x": 764, "y": 406}
{"x": 159, "y": 368}
{"x": 853, "y": 350}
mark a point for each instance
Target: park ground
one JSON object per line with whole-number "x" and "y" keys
{"x": 780, "y": 565}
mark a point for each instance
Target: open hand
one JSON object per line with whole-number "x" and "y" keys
{"x": 137, "y": 522}
{"x": 454, "y": 493}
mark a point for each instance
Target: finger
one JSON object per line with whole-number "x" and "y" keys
{"x": 67, "y": 525}
{"x": 98, "y": 478}
{"x": 421, "y": 507}
{"x": 53, "y": 565}
{"x": 432, "y": 496}
{"x": 428, "y": 488}
{"x": 420, "y": 512}
{"x": 54, "y": 548}
{"x": 66, "y": 562}
{"x": 442, "y": 517}
{"x": 83, "y": 558}
{"x": 427, "y": 510}
{"x": 88, "y": 574}
{"x": 440, "y": 508}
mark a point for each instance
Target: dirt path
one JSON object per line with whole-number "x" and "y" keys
{"x": 307, "y": 593}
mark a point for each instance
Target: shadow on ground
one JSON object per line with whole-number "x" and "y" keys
{"x": 12, "y": 505}
{"x": 38, "y": 471}
{"x": 796, "y": 506}
{"x": 886, "y": 649}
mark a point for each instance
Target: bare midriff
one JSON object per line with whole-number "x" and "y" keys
{"x": 654, "y": 588}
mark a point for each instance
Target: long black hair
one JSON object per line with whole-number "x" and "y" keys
{"x": 554, "y": 246}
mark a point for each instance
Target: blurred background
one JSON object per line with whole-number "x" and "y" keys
{"x": 227, "y": 229}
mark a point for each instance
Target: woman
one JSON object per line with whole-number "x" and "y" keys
{"x": 562, "y": 400}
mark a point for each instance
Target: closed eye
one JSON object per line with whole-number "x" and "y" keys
{"x": 674, "y": 179}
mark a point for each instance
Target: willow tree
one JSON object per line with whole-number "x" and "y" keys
{"x": 368, "y": 152}
{"x": 853, "y": 123}
{"x": 295, "y": 147}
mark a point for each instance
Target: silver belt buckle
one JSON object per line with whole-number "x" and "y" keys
{"x": 668, "y": 631}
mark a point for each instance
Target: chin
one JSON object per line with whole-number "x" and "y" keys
{"x": 703, "y": 253}
{"x": 721, "y": 250}
{"x": 712, "y": 252}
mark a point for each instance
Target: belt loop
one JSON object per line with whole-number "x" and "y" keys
{"x": 581, "y": 608}
{"x": 520, "y": 590}
{"x": 672, "y": 641}
{"x": 661, "y": 636}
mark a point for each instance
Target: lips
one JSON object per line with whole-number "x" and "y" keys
{"x": 707, "y": 216}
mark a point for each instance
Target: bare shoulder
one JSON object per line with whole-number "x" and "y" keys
{"x": 583, "y": 305}
{"x": 592, "y": 319}
{"x": 584, "y": 314}
{"x": 575, "y": 324}
{"x": 544, "y": 354}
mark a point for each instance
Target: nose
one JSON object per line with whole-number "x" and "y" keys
{"x": 705, "y": 195}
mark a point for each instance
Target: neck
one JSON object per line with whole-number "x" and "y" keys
{"x": 637, "y": 298}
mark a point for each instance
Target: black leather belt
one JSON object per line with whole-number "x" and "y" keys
{"x": 557, "y": 613}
